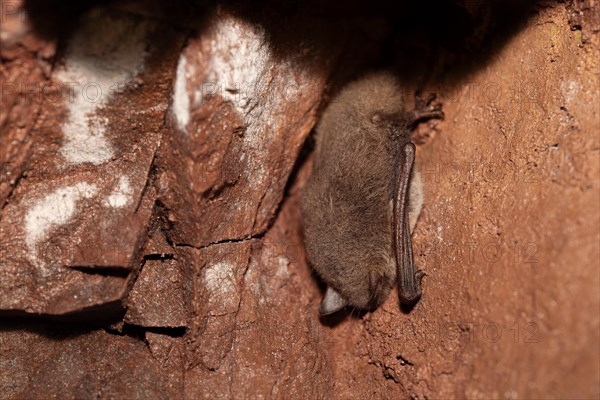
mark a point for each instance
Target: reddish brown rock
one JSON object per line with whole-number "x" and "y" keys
{"x": 510, "y": 300}
{"x": 508, "y": 238}
{"x": 169, "y": 353}
{"x": 256, "y": 324}
{"x": 584, "y": 16}
{"x": 159, "y": 296}
{"x": 157, "y": 245}
{"x": 23, "y": 79}
{"x": 239, "y": 118}
{"x": 87, "y": 200}
{"x": 217, "y": 276}
{"x": 43, "y": 361}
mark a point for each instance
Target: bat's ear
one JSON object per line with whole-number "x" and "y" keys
{"x": 332, "y": 302}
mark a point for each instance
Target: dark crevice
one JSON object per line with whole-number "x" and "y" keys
{"x": 56, "y": 19}
{"x": 47, "y": 326}
{"x": 223, "y": 241}
{"x": 161, "y": 212}
{"x": 159, "y": 257}
{"x": 305, "y": 150}
{"x": 404, "y": 361}
{"x": 104, "y": 270}
{"x": 139, "y": 332}
{"x": 150, "y": 177}
{"x": 159, "y": 223}
{"x": 89, "y": 318}
{"x": 177, "y": 331}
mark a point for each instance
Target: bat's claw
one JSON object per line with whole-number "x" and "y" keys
{"x": 425, "y": 109}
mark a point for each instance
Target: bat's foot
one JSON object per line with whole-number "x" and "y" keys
{"x": 425, "y": 109}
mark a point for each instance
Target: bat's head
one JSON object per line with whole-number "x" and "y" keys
{"x": 355, "y": 290}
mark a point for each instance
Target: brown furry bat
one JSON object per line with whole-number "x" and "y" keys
{"x": 363, "y": 199}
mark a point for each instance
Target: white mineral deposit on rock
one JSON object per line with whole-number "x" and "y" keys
{"x": 122, "y": 195}
{"x": 55, "y": 209}
{"x": 103, "y": 56}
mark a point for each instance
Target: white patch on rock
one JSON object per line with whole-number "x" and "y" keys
{"x": 252, "y": 279}
{"x": 239, "y": 63}
{"x": 55, "y": 209}
{"x": 239, "y": 71}
{"x": 239, "y": 66}
{"x": 219, "y": 279}
{"x": 282, "y": 267}
{"x": 103, "y": 56}
{"x": 569, "y": 89}
{"x": 181, "y": 99}
{"x": 122, "y": 195}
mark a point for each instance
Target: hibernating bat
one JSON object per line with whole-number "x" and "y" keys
{"x": 363, "y": 198}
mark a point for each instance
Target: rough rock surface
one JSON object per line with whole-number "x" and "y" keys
{"x": 160, "y": 296}
{"x": 237, "y": 109}
{"x": 152, "y": 162}
{"x": 84, "y": 200}
{"x": 46, "y": 361}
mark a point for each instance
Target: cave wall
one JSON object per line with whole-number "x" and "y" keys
{"x": 150, "y": 235}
